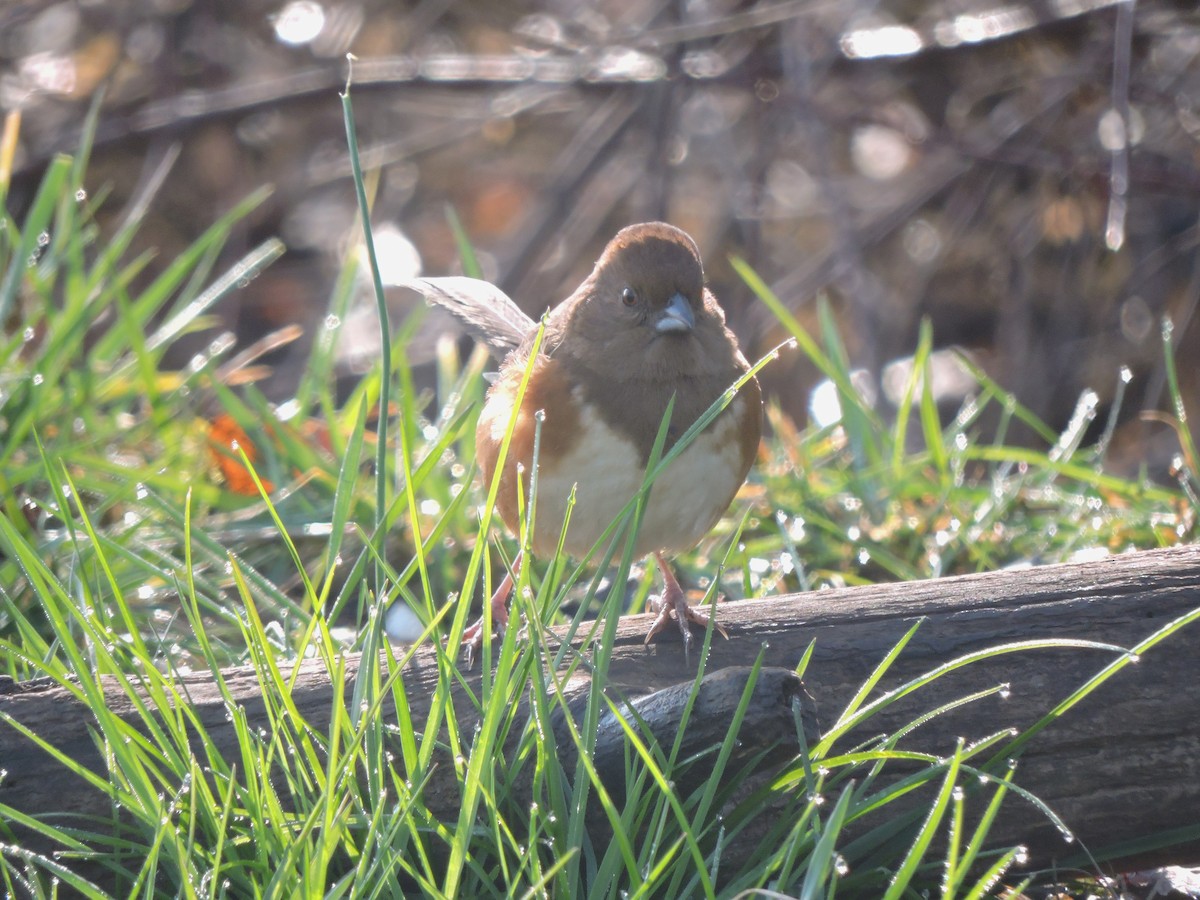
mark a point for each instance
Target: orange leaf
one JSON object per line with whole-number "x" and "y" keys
{"x": 225, "y": 435}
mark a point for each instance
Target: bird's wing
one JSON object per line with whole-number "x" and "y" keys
{"x": 487, "y": 312}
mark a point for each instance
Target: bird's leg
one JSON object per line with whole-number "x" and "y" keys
{"x": 473, "y": 637}
{"x": 673, "y": 602}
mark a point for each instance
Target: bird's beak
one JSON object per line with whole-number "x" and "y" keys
{"x": 676, "y": 317}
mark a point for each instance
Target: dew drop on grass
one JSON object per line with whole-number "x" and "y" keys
{"x": 792, "y": 344}
{"x": 1134, "y": 658}
{"x": 332, "y": 322}
{"x": 43, "y": 239}
{"x": 840, "y": 865}
{"x": 226, "y": 340}
{"x": 1005, "y": 691}
{"x": 37, "y": 379}
{"x": 80, "y": 195}
{"x": 28, "y": 334}
{"x": 958, "y": 794}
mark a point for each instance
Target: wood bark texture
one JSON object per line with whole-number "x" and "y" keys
{"x": 1122, "y": 766}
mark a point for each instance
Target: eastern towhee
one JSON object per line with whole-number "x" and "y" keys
{"x": 641, "y": 329}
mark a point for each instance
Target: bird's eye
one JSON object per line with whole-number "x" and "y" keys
{"x": 629, "y": 297}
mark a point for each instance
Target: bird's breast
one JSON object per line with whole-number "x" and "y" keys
{"x": 581, "y": 451}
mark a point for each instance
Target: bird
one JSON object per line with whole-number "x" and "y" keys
{"x": 642, "y": 331}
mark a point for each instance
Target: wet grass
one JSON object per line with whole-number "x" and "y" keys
{"x": 159, "y": 522}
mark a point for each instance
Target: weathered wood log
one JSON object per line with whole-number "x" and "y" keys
{"x": 1122, "y": 766}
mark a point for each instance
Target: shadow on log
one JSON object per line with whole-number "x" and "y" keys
{"x": 1121, "y": 767}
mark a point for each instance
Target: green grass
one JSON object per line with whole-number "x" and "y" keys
{"x": 124, "y": 554}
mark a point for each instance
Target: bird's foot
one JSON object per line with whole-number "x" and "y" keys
{"x": 473, "y": 637}
{"x": 672, "y": 604}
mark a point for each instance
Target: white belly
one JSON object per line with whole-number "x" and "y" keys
{"x": 686, "y": 501}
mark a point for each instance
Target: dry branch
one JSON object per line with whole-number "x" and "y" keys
{"x": 1120, "y": 767}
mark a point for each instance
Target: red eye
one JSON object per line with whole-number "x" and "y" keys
{"x": 629, "y": 297}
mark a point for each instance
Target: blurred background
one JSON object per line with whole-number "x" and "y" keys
{"x": 1025, "y": 176}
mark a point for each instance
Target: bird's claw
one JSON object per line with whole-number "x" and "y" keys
{"x": 473, "y": 638}
{"x": 677, "y": 608}
{"x": 472, "y": 644}
{"x": 673, "y": 601}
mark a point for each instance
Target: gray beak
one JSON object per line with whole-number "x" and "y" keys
{"x": 677, "y": 317}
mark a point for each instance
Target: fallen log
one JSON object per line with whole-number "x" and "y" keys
{"x": 1119, "y": 768}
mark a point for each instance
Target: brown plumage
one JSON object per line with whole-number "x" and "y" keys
{"x": 640, "y": 329}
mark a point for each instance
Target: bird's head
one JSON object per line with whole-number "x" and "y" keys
{"x": 644, "y": 311}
